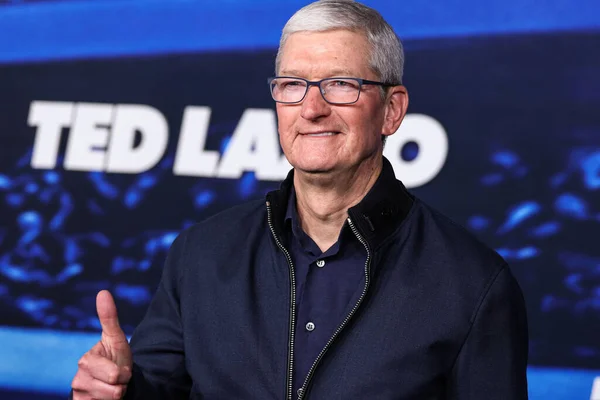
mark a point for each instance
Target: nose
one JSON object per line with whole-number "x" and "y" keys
{"x": 314, "y": 105}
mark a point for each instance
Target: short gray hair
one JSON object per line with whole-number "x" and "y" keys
{"x": 387, "y": 54}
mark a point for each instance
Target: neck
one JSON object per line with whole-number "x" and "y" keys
{"x": 323, "y": 200}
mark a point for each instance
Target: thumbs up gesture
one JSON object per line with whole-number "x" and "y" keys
{"x": 105, "y": 369}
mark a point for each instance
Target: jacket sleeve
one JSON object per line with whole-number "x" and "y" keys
{"x": 492, "y": 363}
{"x": 159, "y": 368}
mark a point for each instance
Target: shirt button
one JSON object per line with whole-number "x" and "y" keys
{"x": 310, "y": 327}
{"x": 321, "y": 263}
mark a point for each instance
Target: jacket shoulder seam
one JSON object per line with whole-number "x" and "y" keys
{"x": 484, "y": 293}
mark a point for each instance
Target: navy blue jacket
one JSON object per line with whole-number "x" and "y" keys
{"x": 441, "y": 316}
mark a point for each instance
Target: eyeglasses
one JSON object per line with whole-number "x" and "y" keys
{"x": 290, "y": 90}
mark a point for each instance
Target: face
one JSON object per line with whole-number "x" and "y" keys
{"x": 318, "y": 137}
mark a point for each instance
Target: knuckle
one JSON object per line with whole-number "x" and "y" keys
{"x": 118, "y": 392}
{"x": 113, "y": 376}
{"x": 80, "y": 396}
{"x": 76, "y": 383}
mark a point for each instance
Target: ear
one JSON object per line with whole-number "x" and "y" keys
{"x": 396, "y": 104}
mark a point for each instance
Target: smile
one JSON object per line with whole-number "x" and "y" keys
{"x": 320, "y": 134}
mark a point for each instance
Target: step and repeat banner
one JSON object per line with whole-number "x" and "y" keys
{"x": 123, "y": 122}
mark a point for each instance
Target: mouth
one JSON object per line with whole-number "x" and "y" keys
{"x": 319, "y": 134}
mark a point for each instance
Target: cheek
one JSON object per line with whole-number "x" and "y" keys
{"x": 285, "y": 120}
{"x": 359, "y": 124}
{"x": 366, "y": 131}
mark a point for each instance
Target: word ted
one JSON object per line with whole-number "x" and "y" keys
{"x": 133, "y": 138}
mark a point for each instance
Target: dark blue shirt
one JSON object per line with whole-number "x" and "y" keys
{"x": 328, "y": 284}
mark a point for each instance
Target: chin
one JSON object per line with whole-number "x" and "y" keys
{"x": 316, "y": 171}
{"x": 315, "y": 168}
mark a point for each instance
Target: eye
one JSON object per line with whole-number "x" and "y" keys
{"x": 291, "y": 84}
{"x": 342, "y": 84}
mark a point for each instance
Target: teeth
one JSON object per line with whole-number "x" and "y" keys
{"x": 322, "y": 134}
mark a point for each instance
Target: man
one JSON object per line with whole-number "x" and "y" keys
{"x": 342, "y": 285}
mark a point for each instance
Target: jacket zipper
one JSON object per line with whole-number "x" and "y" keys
{"x": 311, "y": 371}
{"x": 292, "y": 304}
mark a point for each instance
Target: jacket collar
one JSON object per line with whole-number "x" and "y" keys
{"x": 376, "y": 217}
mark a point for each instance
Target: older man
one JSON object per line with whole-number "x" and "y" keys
{"x": 341, "y": 285}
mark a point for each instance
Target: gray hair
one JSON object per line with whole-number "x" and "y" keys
{"x": 387, "y": 54}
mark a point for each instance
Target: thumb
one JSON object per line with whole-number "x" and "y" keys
{"x": 107, "y": 313}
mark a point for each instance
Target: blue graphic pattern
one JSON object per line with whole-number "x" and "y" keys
{"x": 530, "y": 189}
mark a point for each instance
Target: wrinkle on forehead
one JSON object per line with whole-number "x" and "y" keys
{"x": 317, "y": 55}
{"x": 337, "y": 72}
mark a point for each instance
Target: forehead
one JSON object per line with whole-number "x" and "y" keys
{"x": 325, "y": 53}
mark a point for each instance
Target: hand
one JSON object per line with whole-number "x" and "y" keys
{"x": 105, "y": 370}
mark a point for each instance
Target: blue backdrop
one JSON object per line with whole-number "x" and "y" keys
{"x": 512, "y": 85}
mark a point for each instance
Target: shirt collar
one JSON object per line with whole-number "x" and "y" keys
{"x": 291, "y": 214}
{"x": 292, "y": 220}
{"x": 376, "y": 217}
